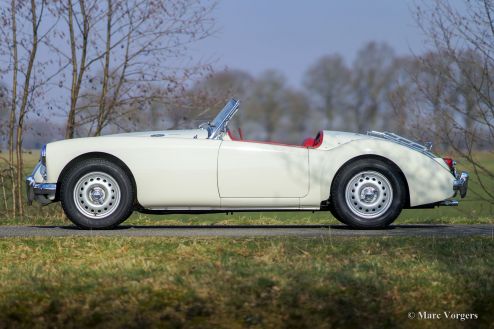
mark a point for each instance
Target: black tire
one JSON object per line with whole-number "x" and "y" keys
{"x": 380, "y": 191}
{"x": 91, "y": 170}
{"x": 335, "y": 214}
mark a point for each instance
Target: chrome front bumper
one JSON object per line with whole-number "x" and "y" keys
{"x": 43, "y": 193}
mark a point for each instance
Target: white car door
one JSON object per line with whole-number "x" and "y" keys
{"x": 266, "y": 174}
{"x": 176, "y": 173}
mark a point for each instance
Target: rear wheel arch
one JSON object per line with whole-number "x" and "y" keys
{"x": 380, "y": 158}
{"x": 96, "y": 155}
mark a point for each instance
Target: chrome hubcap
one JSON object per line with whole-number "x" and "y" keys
{"x": 97, "y": 195}
{"x": 369, "y": 194}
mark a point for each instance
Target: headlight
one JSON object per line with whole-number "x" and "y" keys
{"x": 42, "y": 156}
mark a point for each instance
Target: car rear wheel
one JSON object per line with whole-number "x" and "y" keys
{"x": 97, "y": 194}
{"x": 368, "y": 193}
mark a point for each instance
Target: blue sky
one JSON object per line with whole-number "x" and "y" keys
{"x": 255, "y": 35}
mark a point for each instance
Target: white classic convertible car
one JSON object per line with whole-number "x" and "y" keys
{"x": 364, "y": 180}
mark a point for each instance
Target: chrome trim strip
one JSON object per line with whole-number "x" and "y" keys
{"x": 403, "y": 141}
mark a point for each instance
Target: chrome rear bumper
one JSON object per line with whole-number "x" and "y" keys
{"x": 461, "y": 184}
{"x": 449, "y": 203}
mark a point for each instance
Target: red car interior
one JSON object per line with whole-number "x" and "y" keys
{"x": 309, "y": 142}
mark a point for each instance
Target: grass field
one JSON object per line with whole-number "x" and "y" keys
{"x": 119, "y": 282}
{"x": 234, "y": 283}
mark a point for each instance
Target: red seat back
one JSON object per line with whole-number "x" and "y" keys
{"x": 308, "y": 142}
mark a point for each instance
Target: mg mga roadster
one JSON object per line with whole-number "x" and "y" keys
{"x": 364, "y": 180}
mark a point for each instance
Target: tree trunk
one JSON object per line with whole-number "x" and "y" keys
{"x": 13, "y": 109}
{"x": 23, "y": 108}
{"x": 76, "y": 76}
{"x": 69, "y": 132}
{"x": 104, "y": 90}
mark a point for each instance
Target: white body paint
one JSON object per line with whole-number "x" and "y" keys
{"x": 183, "y": 170}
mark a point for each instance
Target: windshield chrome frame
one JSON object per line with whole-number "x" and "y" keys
{"x": 229, "y": 110}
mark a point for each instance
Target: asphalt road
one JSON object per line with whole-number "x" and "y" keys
{"x": 252, "y": 230}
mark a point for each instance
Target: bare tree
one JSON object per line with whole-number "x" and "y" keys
{"x": 435, "y": 93}
{"x": 465, "y": 38}
{"x": 127, "y": 54}
{"x": 275, "y": 111}
{"x": 355, "y": 97}
{"x": 405, "y": 99}
{"x": 328, "y": 82}
{"x": 372, "y": 80}
{"x": 211, "y": 93}
{"x": 222, "y": 85}
{"x": 298, "y": 119}
{"x": 266, "y": 107}
{"x": 4, "y": 128}
{"x": 24, "y": 102}
{"x": 4, "y": 113}
{"x": 78, "y": 65}
{"x": 13, "y": 109}
{"x": 106, "y": 69}
{"x": 20, "y": 32}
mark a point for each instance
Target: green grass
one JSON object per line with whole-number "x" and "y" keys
{"x": 233, "y": 283}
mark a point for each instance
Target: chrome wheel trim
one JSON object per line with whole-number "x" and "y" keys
{"x": 369, "y": 194}
{"x": 97, "y": 195}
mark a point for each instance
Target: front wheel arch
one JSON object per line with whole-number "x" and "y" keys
{"x": 380, "y": 158}
{"x": 97, "y": 155}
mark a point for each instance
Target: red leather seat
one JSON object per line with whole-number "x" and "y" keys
{"x": 313, "y": 142}
{"x": 308, "y": 142}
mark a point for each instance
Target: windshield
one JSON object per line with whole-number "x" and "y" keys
{"x": 219, "y": 123}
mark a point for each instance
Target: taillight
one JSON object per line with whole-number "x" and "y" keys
{"x": 451, "y": 164}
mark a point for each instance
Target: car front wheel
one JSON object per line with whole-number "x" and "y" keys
{"x": 368, "y": 193}
{"x": 97, "y": 194}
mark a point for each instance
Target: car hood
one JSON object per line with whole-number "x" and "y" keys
{"x": 184, "y": 133}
